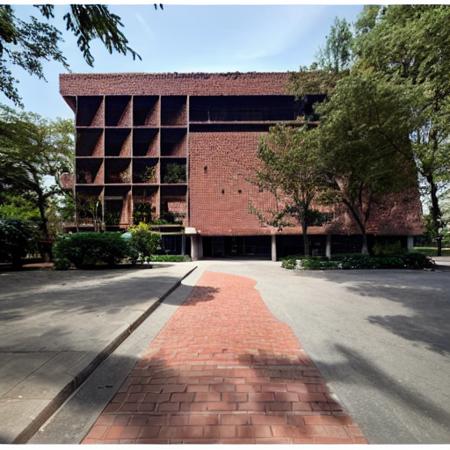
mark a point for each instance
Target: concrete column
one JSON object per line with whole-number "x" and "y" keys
{"x": 328, "y": 246}
{"x": 196, "y": 247}
{"x": 410, "y": 243}
{"x": 273, "y": 247}
{"x": 183, "y": 244}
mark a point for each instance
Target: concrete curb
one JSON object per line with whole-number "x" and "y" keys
{"x": 84, "y": 373}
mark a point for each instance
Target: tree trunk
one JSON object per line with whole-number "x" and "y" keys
{"x": 305, "y": 239}
{"x": 361, "y": 225}
{"x": 44, "y": 226}
{"x": 365, "y": 246}
{"x": 436, "y": 215}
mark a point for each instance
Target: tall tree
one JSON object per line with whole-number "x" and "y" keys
{"x": 364, "y": 143}
{"x": 290, "y": 169}
{"x": 410, "y": 46}
{"x": 33, "y": 154}
{"x": 27, "y": 44}
{"x": 336, "y": 56}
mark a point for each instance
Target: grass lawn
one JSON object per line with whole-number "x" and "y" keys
{"x": 431, "y": 251}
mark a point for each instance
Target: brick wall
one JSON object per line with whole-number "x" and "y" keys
{"x": 224, "y": 161}
{"x": 174, "y": 84}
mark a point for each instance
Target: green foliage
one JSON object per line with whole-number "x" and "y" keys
{"x": 89, "y": 208}
{"x": 34, "y": 152}
{"x": 145, "y": 241}
{"x": 18, "y": 207}
{"x": 358, "y": 261}
{"x": 410, "y": 47}
{"x": 88, "y": 249}
{"x": 364, "y": 145}
{"x": 319, "y": 264}
{"x": 143, "y": 212}
{"x": 291, "y": 169}
{"x": 337, "y": 56}
{"x": 17, "y": 239}
{"x": 169, "y": 258}
{"x": 309, "y": 81}
{"x": 27, "y": 44}
{"x": 61, "y": 264}
{"x": 431, "y": 251}
{"x": 112, "y": 217}
{"x": 175, "y": 173}
{"x": 149, "y": 174}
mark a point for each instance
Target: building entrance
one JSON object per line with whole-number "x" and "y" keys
{"x": 236, "y": 246}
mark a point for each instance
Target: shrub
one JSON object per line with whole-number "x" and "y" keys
{"x": 418, "y": 261}
{"x": 61, "y": 264}
{"x": 359, "y": 261}
{"x": 169, "y": 258}
{"x": 89, "y": 249}
{"x": 144, "y": 241}
{"x": 17, "y": 239}
{"x": 319, "y": 264}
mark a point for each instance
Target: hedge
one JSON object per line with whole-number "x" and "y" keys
{"x": 88, "y": 249}
{"x": 169, "y": 258}
{"x": 359, "y": 261}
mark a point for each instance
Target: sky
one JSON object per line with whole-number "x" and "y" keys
{"x": 190, "y": 39}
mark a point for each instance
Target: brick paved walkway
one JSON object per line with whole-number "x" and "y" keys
{"x": 223, "y": 369}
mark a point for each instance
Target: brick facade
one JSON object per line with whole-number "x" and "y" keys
{"x": 127, "y": 122}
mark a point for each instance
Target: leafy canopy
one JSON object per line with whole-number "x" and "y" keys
{"x": 28, "y": 44}
{"x": 34, "y": 152}
{"x": 290, "y": 168}
{"x": 410, "y": 46}
{"x": 364, "y": 144}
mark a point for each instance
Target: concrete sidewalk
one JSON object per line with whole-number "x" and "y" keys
{"x": 56, "y": 327}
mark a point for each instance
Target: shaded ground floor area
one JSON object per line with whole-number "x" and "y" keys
{"x": 278, "y": 246}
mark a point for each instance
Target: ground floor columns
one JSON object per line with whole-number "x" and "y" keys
{"x": 273, "y": 247}
{"x": 410, "y": 243}
{"x": 196, "y": 247}
{"x": 328, "y": 246}
{"x": 183, "y": 244}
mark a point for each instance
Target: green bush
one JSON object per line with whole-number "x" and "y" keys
{"x": 144, "y": 241}
{"x": 61, "y": 264}
{"x": 17, "y": 239}
{"x": 319, "y": 264}
{"x": 415, "y": 260}
{"x": 169, "y": 258}
{"x": 88, "y": 249}
{"x": 359, "y": 261}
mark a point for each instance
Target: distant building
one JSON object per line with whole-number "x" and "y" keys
{"x": 183, "y": 146}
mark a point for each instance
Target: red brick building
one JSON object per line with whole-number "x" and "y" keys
{"x": 186, "y": 144}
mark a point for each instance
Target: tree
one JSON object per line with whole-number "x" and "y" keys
{"x": 337, "y": 54}
{"x": 33, "y": 154}
{"x": 333, "y": 63}
{"x": 290, "y": 169}
{"x": 364, "y": 143}
{"x": 27, "y": 44}
{"x": 410, "y": 46}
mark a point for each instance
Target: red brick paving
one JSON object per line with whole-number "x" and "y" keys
{"x": 224, "y": 370}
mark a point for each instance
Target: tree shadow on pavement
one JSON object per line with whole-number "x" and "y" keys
{"x": 369, "y": 374}
{"x": 424, "y": 294}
